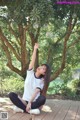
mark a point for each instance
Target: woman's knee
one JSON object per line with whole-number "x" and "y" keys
{"x": 12, "y": 95}
{"x": 42, "y": 99}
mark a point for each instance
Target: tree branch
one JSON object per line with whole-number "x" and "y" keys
{"x": 32, "y": 38}
{"x": 33, "y": 41}
{"x": 14, "y": 69}
{"x": 9, "y": 63}
{"x": 37, "y": 34}
{"x": 12, "y": 31}
{"x": 76, "y": 41}
{"x": 3, "y": 38}
{"x": 56, "y": 74}
{"x": 72, "y": 27}
{"x": 24, "y": 54}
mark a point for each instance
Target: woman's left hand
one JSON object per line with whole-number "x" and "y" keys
{"x": 28, "y": 107}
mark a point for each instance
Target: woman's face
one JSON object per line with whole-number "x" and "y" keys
{"x": 42, "y": 69}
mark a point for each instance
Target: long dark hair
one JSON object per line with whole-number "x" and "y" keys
{"x": 47, "y": 74}
{"x": 46, "y": 79}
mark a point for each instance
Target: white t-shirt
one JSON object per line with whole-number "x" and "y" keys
{"x": 31, "y": 83}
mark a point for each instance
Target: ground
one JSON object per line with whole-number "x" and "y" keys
{"x": 54, "y": 109}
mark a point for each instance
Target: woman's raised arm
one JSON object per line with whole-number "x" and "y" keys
{"x": 31, "y": 65}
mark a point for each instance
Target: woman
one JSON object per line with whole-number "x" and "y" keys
{"x": 32, "y": 99}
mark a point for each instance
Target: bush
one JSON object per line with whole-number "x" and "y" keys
{"x": 69, "y": 90}
{"x": 68, "y": 93}
{"x": 13, "y": 84}
{"x": 73, "y": 85}
{"x": 55, "y": 87}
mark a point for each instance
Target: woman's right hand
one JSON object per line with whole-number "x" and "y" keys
{"x": 36, "y": 46}
{"x": 28, "y": 107}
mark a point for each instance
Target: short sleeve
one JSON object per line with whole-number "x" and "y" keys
{"x": 31, "y": 71}
{"x": 29, "y": 74}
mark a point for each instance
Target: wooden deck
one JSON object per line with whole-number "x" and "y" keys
{"x": 56, "y": 110}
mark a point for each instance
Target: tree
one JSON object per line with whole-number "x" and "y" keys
{"x": 22, "y": 21}
{"x": 21, "y": 18}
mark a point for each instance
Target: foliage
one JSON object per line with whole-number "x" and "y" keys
{"x": 37, "y": 14}
{"x": 9, "y": 81}
{"x": 55, "y": 27}
{"x": 12, "y": 85}
{"x": 68, "y": 90}
{"x": 21, "y": 11}
{"x": 73, "y": 85}
{"x": 55, "y": 86}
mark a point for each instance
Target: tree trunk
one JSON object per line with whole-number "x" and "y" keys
{"x": 24, "y": 58}
{"x": 33, "y": 41}
{"x": 56, "y": 74}
{"x": 44, "y": 92}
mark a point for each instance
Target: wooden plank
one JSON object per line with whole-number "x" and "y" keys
{"x": 59, "y": 105}
{"x": 26, "y": 116}
{"x": 62, "y": 112}
{"x": 41, "y": 116}
{"x": 78, "y": 113}
{"x": 10, "y": 113}
{"x": 50, "y": 104}
{"x": 71, "y": 114}
{"x": 55, "y": 110}
{"x": 16, "y": 116}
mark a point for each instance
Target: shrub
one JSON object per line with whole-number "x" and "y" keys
{"x": 73, "y": 85}
{"x": 13, "y": 84}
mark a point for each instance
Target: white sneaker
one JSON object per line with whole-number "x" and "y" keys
{"x": 34, "y": 111}
{"x": 17, "y": 109}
